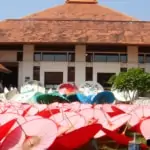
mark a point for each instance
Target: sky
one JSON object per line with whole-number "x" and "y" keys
{"x": 139, "y": 9}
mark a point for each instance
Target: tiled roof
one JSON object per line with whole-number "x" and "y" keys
{"x": 76, "y": 22}
{"x": 81, "y": 11}
{"x": 79, "y": 31}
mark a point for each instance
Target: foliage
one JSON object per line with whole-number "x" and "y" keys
{"x": 135, "y": 79}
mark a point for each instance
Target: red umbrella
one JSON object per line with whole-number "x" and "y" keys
{"x": 67, "y": 88}
{"x": 119, "y": 138}
{"x": 75, "y": 140}
{"x": 4, "y": 129}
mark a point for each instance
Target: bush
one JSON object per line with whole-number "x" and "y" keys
{"x": 135, "y": 79}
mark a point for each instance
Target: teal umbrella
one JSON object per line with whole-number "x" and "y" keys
{"x": 51, "y": 98}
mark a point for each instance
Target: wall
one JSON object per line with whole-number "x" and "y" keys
{"x": 26, "y": 67}
{"x": 52, "y": 67}
{"x": 105, "y": 68}
{"x": 8, "y": 56}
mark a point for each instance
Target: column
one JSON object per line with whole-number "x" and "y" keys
{"x": 132, "y": 52}
{"x": 80, "y": 61}
{"x": 27, "y": 65}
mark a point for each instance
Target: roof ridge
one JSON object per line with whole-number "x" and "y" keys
{"x": 93, "y": 20}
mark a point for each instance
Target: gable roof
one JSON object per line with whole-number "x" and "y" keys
{"x": 78, "y": 10}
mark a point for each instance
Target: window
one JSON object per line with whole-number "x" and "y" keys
{"x": 123, "y": 69}
{"x": 36, "y": 73}
{"x": 71, "y": 74}
{"x": 123, "y": 58}
{"x": 19, "y": 56}
{"x": 53, "y": 78}
{"x": 54, "y": 57}
{"x": 60, "y": 57}
{"x": 141, "y": 58}
{"x": 112, "y": 58}
{"x": 48, "y": 57}
{"x": 71, "y": 57}
{"x": 37, "y": 56}
{"x": 147, "y": 58}
{"x": 89, "y": 73}
{"x": 89, "y": 57}
{"x": 100, "y": 58}
{"x": 106, "y": 57}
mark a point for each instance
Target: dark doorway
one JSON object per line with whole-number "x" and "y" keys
{"x": 52, "y": 79}
{"x": 103, "y": 78}
{"x": 10, "y": 79}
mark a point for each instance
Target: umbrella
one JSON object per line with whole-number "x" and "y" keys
{"x": 67, "y": 89}
{"x": 104, "y": 97}
{"x": 50, "y": 98}
{"x": 90, "y": 88}
{"x": 78, "y": 137}
{"x": 34, "y": 82}
{"x": 144, "y": 127}
{"x": 114, "y": 123}
{"x": 93, "y": 115}
{"x": 36, "y": 134}
{"x": 4, "y": 69}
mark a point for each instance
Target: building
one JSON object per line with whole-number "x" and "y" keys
{"x": 75, "y": 42}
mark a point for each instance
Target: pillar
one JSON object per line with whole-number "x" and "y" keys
{"x": 132, "y": 52}
{"x": 80, "y": 62}
{"x": 27, "y": 64}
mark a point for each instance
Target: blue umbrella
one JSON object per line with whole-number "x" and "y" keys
{"x": 104, "y": 97}
{"x": 82, "y": 98}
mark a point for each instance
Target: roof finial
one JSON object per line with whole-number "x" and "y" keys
{"x": 82, "y": 1}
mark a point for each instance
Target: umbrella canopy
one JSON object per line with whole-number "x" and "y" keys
{"x": 4, "y": 69}
{"x": 104, "y": 97}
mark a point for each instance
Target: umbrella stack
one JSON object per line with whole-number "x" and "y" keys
{"x": 69, "y": 126}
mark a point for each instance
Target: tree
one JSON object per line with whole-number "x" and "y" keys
{"x": 135, "y": 79}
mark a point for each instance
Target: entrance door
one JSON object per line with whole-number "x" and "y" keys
{"x": 10, "y": 79}
{"x": 103, "y": 78}
{"x": 52, "y": 79}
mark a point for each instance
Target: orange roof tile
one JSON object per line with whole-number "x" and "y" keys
{"x": 81, "y": 11}
{"x": 63, "y": 31}
{"x": 77, "y": 23}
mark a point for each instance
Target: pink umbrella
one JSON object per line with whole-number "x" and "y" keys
{"x": 4, "y": 118}
{"x": 39, "y": 137}
{"x": 59, "y": 117}
{"x": 73, "y": 123}
{"x": 139, "y": 113}
{"x": 94, "y": 115}
{"x": 144, "y": 127}
{"x": 114, "y": 123}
